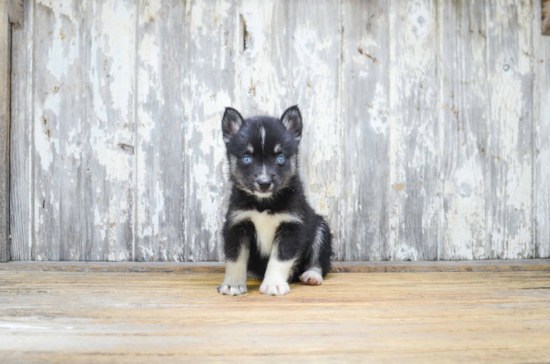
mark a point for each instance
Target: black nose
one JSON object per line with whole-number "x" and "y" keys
{"x": 264, "y": 183}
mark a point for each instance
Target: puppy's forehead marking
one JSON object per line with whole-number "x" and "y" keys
{"x": 250, "y": 148}
{"x": 262, "y": 134}
{"x": 277, "y": 148}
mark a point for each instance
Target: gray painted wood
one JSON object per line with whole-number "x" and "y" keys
{"x": 16, "y": 12}
{"x": 414, "y": 193}
{"x": 209, "y": 86}
{"x": 161, "y": 140}
{"x": 510, "y": 124}
{"x": 21, "y": 152}
{"x": 302, "y": 67}
{"x": 419, "y": 140}
{"x": 5, "y": 56}
{"x": 107, "y": 61}
{"x": 83, "y": 118}
{"x": 541, "y": 46}
{"x": 463, "y": 115}
{"x": 544, "y": 16}
{"x": 365, "y": 86}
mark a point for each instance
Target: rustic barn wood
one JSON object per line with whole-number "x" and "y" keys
{"x": 426, "y": 127}
{"x": 503, "y": 265}
{"x": 545, "y": 18}
{"x": 414, "y": 192}
{"x": 541, "y": 112}
{"x": 510, "y": 124}
{"x": 463, "y": 115}
{"x": 21, "y": 149}
{"x": 364, "y": 92}
{"x": 353, "y": 317}
{"x": 5, "y": 57}
{"x": 11, "y": 13}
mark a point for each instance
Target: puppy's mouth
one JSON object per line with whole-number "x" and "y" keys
{"x": 263, "y": 190}
{"x": 263, "y": 194}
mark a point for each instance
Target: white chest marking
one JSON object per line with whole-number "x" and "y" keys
{"x": 266, "y": 226}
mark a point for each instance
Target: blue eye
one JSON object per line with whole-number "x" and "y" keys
{"x": 281, "y": 159}
{"x": 247, "y": 160}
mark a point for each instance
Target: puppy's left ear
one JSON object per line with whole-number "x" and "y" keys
{"x": 231, "y": 123}
{"x": 292, "y": 120}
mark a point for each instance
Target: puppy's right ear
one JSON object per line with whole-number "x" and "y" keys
{"x": 231, "y": 123}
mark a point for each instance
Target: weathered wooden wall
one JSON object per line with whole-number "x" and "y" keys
{"x": 427, "y": 124}
{"x": 11, "y": 14}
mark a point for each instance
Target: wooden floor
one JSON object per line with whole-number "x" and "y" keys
{"x": 77, "y": 317}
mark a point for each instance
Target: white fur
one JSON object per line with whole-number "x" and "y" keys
{"x": 317, "y": 243}
{"x": 234, "y": 282}
{"x": 312, "y": 274}
{"x": 262, "y": 133}
{"x": 266, "y": 225}
{"x": 276, "y": 276}
{"x": 263, "y": 194}
{"x": 250, "y": 148}
{"x": 277, "y": 148}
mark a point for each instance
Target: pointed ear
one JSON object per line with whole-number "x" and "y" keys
{"x": 231, "y": 123}
{"x": 292, "y": 120}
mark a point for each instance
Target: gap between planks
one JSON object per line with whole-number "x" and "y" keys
{"x": 338, "y": 267}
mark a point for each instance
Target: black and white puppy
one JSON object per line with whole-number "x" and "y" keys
{"x": 271, "y": 232}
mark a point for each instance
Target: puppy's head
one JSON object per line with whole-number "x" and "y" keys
{"x": 262, "y": 151}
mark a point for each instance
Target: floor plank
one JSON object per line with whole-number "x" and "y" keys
{"x": 179, "y": 317}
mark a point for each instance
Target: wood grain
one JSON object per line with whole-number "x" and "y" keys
{"x": 426, "y": 127}
{"x": 463, "y": 116}
{"x": 209, "y": 86}
{"x": 365, "y": 93}
{"x": 414, "y": 205}
{"x": 107, "y": 60}
{"x": 161, "y": 118}
{"x": 83, "y": 118}
{"x": 57, "y": 98}
{"x": 302, "y": 67}
{"x": 159, "y": 317}
{"x": 5, "y": 86}
{"x": 544, "y": 16}
{"x": 16, "y": 12}
{"x": 542, "y": 141}
{"x": 21, "y": 151}
{"x": 510, "y": 122}
{"x": 337, "y": 267}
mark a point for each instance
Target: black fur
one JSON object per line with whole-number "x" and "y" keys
{"x": 294, "y": 239}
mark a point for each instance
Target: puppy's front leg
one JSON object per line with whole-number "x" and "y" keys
{"x": 237, "y": 252}
{"x": 281, "y": 261}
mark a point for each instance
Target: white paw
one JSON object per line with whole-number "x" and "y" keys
{"x": 232, "y": 289}
{"x": 312, "y": 276}
{"x": 274, "y": 288}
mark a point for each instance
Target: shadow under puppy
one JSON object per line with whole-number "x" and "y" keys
{"x": 271, "y": 232}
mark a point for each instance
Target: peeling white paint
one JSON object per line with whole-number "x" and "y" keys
{"x": 285, "y": 62}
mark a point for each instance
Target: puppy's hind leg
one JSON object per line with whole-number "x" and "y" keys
{"x": 319, "y": 256}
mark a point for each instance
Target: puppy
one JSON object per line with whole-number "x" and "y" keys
{"x": 271, "y": 232}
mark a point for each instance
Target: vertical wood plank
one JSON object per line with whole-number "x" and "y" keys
{"x": 510, "y": 182}
{"x": 107, "y": 62}
{"x": 209, "y": 85}
{"x": 414, "y": 192}
{"x": 364, "y": 96}
{"x": 463, "y": 111}
{"x": 541, "y": 46}
{"x": 5, "y": 57}
{"x": 57, "y": 96}
{"x": 161, "y": 144}
{"x": 83, "y": 121}
{"x": 292, "y": 56}
{"x": 21, "y": 154}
